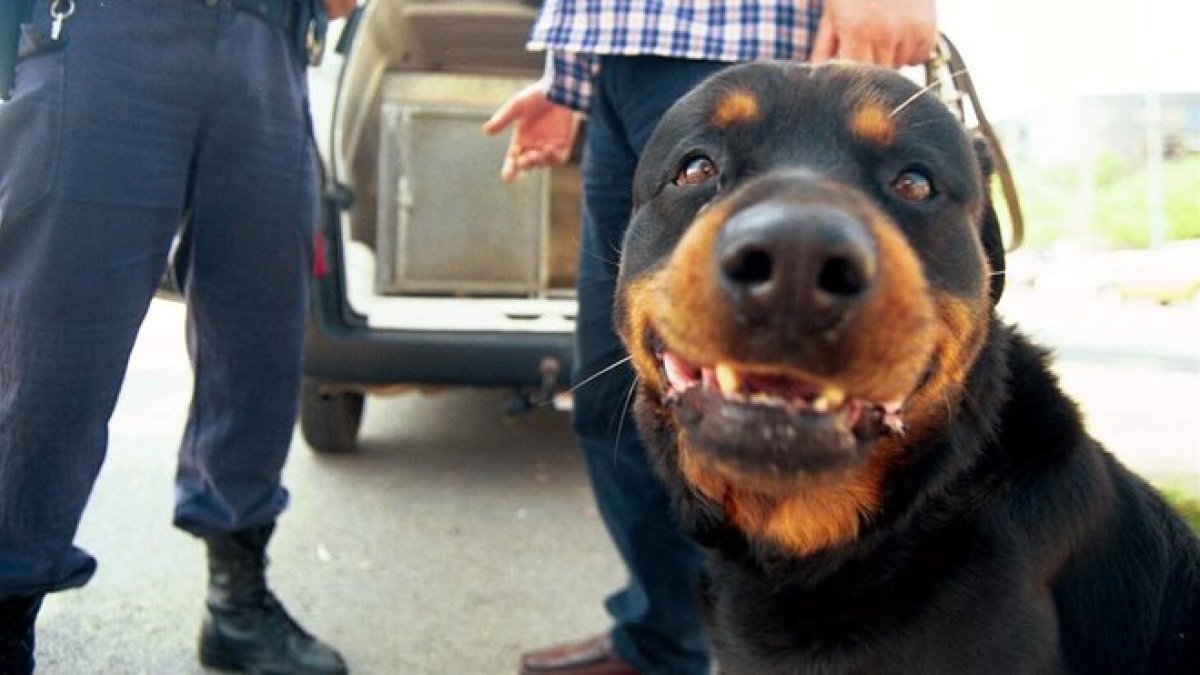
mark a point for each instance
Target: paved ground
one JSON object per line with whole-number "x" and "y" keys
{"x": 1135, "y": 369}
{"x": 450, "y": 541}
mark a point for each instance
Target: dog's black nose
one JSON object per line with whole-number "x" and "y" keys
{"x": 804, "y": 265}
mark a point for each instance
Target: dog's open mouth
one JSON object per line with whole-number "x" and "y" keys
{"x": 773, "y": 423}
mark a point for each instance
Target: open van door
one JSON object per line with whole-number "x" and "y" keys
{"x": 430, "y": 271}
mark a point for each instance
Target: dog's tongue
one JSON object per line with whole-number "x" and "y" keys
{"x": 778, "y": 387}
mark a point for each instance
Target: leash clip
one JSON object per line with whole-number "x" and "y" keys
{"x": 60, "y": 11}
{"x": 940, "y": 76}
{"x": 314, "y": 42}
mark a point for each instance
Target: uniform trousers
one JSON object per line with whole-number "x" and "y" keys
{"x": 143, "y": 117}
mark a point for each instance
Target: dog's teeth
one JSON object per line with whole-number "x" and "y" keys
{"x": 728, "y": 381}
{"x": 830, "y": 399}
{"x": 893, "y": 424}
{"x": 677, "y": 372}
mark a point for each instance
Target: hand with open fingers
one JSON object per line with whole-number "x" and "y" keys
{"x": 891, "y": 33}
{"x": 337, "y": 9}
{"x": 543, "y": 131}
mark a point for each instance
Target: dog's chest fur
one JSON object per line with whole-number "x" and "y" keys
{"x": 1036, "y": 559}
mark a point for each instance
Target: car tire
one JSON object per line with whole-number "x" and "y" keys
{"x": 329, "y": 419}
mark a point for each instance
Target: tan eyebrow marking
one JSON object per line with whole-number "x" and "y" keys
{"x": 872, "y": 123}
{"x": 735, "y": 108}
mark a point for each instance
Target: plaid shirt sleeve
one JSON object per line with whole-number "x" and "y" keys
{"x": 570, "y": 78}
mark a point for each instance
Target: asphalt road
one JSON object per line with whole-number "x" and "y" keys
{"x": 450, "y": 541}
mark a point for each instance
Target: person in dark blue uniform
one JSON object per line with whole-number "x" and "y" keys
{"x": 129, "y": 119}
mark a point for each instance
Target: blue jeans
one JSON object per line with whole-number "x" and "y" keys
{"x": 146, "y": 115}
{"x": 658, "y": 625}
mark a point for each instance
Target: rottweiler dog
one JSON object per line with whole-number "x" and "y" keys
{"x": 888, "y": 476}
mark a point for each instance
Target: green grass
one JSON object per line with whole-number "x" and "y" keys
{"x": 1050, "y": 202}
{"x": 1187, "y": 506}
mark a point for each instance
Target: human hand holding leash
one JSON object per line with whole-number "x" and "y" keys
{"x": 543, "y": 131}
{"x": 890, "y": 33}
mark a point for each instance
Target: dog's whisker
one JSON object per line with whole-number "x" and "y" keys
{"x": 998, "y": 273}
{"x": 624, "y": 414}
{"x": 549, "y": 401}
{"x": 920, "y": 124}
{"x": 597, "y": 374}
{"x": 908, "y": 101}
{"x": 616, "y": 262}
{"x": 603, "y": 259}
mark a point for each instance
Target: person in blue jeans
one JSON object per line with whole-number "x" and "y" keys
{"x": 128, "y": 119}
{"x": 622, "y": 64}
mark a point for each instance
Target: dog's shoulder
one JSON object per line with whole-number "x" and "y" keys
{"x": 1123, "y": 569}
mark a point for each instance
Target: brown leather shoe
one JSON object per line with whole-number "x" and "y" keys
{"x": 593, "y": 656}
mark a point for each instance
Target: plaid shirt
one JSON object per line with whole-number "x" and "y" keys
{"x": 575, "y": 33}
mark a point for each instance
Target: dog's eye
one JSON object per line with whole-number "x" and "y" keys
{"x": 696, "y": 171}
{"x": 914, "y": 186}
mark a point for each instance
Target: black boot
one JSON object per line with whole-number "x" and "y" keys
{"x": 245, "y": 627}
{"x": 17, "y": 615}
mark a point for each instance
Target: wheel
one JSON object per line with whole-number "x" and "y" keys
{"x": 329, "y": 419}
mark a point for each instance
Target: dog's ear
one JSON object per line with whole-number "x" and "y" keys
{"x": 989, "y": 224}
